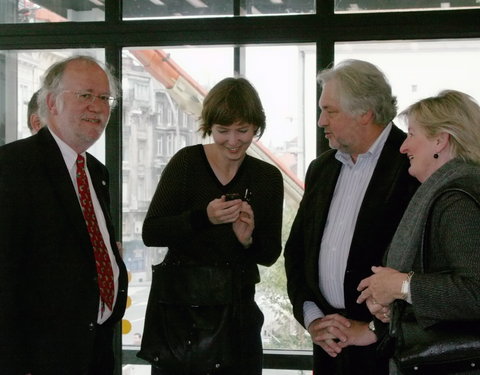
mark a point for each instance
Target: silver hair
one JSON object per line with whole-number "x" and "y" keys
{"x": 362, "y": 87}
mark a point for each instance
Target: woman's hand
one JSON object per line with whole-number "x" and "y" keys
{"x": 244, "y": 225}
{"x": 382, "y": 288}
{"x": 220, "y": 211}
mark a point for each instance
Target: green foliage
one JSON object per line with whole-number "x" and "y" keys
{"x": 283, "y": 331}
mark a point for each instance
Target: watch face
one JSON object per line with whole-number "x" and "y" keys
{"x": 371, "y": 326}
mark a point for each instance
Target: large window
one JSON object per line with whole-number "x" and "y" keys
{"x": 419, "y": 68}
{"x": 177, "y": 85}
{"x": 22, "y": 72}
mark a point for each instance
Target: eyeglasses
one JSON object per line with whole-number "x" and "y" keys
{"x": 86, "y": 97}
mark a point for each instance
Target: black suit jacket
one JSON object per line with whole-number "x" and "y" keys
{"x": 386, "y": 198}
{"x": 48, "y": 280}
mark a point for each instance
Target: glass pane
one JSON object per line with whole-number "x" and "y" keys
{"x": 417, "y": 69}
{"x": 162, "y": 92}
{"x": 26, "y": 11}
{"x": 161, "y": 104}
{"x": 279, "y": 7}
{"x": 357, "y": 6}
{"x": 143, "y": 9}
{"x": 290, "y": 101}
{"x": 20, "y": 77}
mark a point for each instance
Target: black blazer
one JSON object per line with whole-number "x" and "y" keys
{"x": 48, "y": 280}
{"x": 386, "y": 198}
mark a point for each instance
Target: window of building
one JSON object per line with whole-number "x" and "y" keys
{"x": 42, "y": 11}
{"x": 157, "y": 9}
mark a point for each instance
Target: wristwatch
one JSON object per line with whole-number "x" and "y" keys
{"x": 371, "y": 326}
{"x": 406, "y": 285}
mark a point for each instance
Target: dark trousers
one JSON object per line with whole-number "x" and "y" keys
{"x": 353, "y": 360}
{"x": 103, "y": 358}
{"x": 97, "y": 359}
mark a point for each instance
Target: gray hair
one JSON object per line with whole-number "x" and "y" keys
{"x": 362, "y": 87}
{"x": 52, "y": 80}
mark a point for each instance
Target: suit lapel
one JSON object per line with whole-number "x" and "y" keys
{"x": 379, "y": 190}
{"x": 100, "y": 184}
{"x": 318, "y": 198}
{"x": 61, "y": 183}
{"x": 99, "y": 178}
{"x": 325, "y": 188}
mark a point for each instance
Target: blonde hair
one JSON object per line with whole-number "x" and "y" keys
{"x": 452, "y": 112}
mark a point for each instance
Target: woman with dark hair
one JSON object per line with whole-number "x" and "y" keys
{"x": 219, "y": 212}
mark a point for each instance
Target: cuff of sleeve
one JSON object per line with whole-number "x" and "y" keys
{"x": 199, "y": 219}
{"x": 311, "y": 312}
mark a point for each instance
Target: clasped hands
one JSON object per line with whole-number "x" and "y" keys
{"x": 335, "y": 332}
{"x": 237, "y": 212}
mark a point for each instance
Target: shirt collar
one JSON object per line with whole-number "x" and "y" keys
{"x": 68, "y": 153}
{"x": 374, "y": 150}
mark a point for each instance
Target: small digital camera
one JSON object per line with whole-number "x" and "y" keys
{"x": 232, "y": 196}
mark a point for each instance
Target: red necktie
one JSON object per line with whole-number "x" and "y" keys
{"x": 102, "y": 260}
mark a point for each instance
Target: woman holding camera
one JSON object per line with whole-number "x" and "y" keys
{"x": 219, "y": 212}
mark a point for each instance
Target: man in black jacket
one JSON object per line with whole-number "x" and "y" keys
{"x": 355, "y": 195}
{"x": 62, "y": 280}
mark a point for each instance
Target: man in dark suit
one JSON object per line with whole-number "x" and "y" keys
{"x": 62, "y": 280}
{"x": 355, "y": 195}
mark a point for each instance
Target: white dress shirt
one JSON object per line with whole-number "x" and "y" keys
{"x": 70, "y": 158}
{"x": 342, "y": 217}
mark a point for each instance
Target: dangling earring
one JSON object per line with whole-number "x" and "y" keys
{"x": 435, "y": 156}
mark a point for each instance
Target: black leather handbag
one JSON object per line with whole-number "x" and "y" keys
{"x": 445, "y": 348}
{"x": 190, "y": 318}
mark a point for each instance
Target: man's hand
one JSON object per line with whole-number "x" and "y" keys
{"x": 328, "y": 333}
{"x": 359, "y": 334}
